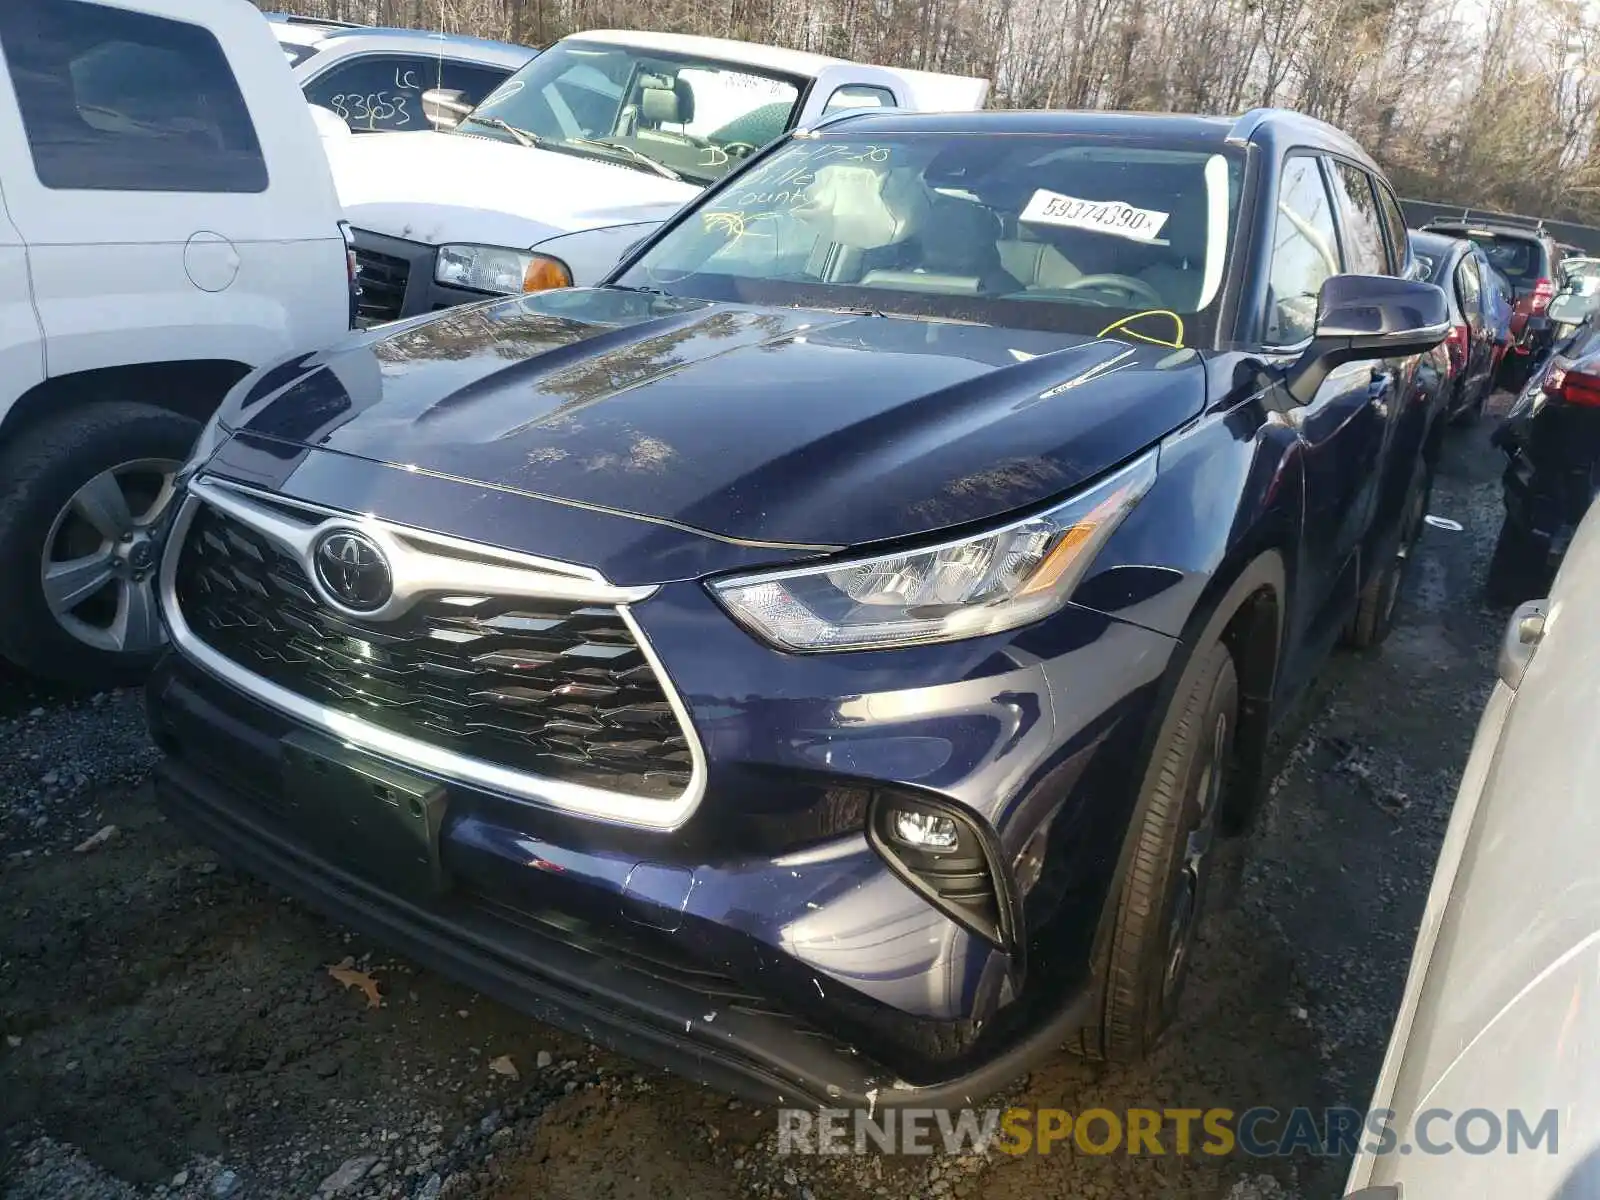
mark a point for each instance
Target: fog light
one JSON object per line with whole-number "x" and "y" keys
{"x": 924, "y": 830}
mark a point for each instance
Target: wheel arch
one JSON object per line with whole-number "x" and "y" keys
{"x": 1244, "y": 607}
{"x": 190, "y": 388}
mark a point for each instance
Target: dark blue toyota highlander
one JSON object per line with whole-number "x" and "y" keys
{"x": 820, "y": 659}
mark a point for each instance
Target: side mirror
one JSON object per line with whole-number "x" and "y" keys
{"x": 1368, "y": 316}
{"x": 444, "y": 107}
{"x": 1572, "y": 307}
{"x": 328, "y": 122}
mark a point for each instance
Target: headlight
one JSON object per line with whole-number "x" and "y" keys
{"x": 499, "y": 269}
{"x": 981, "y": 584}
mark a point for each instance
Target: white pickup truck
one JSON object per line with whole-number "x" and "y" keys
{"x": 580, "y": 154}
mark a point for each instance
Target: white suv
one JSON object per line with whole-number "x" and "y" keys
{"x": 167, "y": 224}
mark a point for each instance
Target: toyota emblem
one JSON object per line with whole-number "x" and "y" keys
{"x": 352, "y": 567}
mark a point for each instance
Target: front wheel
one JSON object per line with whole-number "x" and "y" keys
{"x": 1159, "y": 906}
{"x": 84, "y": 495}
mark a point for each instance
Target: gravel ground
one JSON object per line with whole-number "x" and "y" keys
{"x": 172, "y": 1029}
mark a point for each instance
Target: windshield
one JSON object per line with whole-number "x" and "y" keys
{"x": 1025, "y": 231}
{"x": 693, "y": 117}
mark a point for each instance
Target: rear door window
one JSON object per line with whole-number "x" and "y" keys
{"x": 113, "y": 100}
{"x": 1469, "y": 290}
{"x": 1394, "y": 223}
{"x": 1364, "y": 250}
{"x": 1517, "y": 258}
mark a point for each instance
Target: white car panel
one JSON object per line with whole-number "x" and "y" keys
{"x": 21, "y": 347}
{"x": 434, "y": 188}
{"x": 277, "y": 254}
{"x": 1502, "y": 1003}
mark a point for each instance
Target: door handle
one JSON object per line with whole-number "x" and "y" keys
{"x": 1378, "y": 390}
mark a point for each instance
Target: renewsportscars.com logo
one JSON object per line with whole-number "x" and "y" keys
{"x": 1259, "y": 1132}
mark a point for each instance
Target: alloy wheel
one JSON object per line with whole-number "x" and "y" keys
{"x": 1196, "y": 855}
{"x": 98, "y": 569}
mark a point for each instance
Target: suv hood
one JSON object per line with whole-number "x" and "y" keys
{"x": 783, "y": 426}
{"x": 447, "y": 187}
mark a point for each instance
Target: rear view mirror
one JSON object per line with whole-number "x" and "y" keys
{"x": 1368, "y": 316}
{"x": 444, "y": 107}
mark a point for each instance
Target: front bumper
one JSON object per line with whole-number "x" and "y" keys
{"x": 764, "y": 906}
{"x": 645, "y": 981}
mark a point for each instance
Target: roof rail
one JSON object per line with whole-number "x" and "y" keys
{"x": 296, "y": 19}
{"x": 1480, "y": 216}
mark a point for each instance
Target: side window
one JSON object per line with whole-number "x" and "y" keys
{"x": 1364, "y": 250}
{"x": 1394, "y": 221}
{"x": 473, "y": 80}
{"x": 1305, "y": 252}
{"x": 859, "y": 95}
{"x": 1468, "y": 287}
{"x": 377, "y": 92}
{"x": 113, "y": 100}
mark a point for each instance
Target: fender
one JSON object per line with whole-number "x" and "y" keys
{"x": 1210, "y": 623}
{"x": 172, "y": 321}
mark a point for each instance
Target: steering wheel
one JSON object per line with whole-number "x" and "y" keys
{"x": 1135, "y": 289}
{"x": 738, "y": 149}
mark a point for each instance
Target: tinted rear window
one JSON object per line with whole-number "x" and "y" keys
{"x": 1521, "y": 260}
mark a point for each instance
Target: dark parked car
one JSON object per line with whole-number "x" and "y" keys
{"x": 1477, "y": 331}
{"x": 1499, "y": 306}
{"x": 1551, "y": 439}
{"x": 822, "y": 658}
{"x": 1531, "y": 260}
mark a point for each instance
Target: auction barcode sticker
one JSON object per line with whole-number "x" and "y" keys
{"x": 1105, "y": 216}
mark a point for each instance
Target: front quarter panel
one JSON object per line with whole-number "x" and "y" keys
{"x": 1229, "y": 487}
{"x": 1021, "y": 728}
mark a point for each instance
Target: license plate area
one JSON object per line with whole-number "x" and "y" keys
{"x": 381, "y": 822}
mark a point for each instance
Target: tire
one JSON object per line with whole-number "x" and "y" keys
{"x": 51, "y": 476}
{"x": 1519, "y": 568}
{"x": 1162, "y": 897}
{"x": 1375, "y": 609}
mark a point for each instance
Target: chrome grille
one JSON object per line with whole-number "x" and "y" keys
{"x": 553, "y": 688}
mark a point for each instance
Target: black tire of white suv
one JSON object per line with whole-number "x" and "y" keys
{"x": 81, "y": 497}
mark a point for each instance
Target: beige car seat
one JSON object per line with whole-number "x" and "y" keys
{"x": 1035, "y": 262}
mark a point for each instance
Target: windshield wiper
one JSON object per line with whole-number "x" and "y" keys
{"x": 631, "y": 154}
{"x": 850, "y": 310}
{"x": 524, "y": 137}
